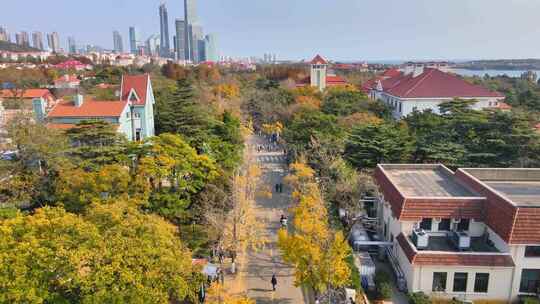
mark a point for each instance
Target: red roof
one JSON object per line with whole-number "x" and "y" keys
{"x": 89, "y": 108}
{"x": 391, "y": 73}
{"x": 334, "y": 80}
{"x": 434, "y": 83}
{"x": 27, "y": 94}
{"x": 61, "y": 126}
{"x": 318, "y": 60}
{"x": 67, "y": 79}
{"x": 70, "y": 64}
{"x": 139, "y": 83}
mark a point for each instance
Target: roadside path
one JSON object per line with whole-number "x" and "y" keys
{"x": 261, "y": 265}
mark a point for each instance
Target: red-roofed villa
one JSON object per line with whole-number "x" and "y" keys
{"x": 423, "y": 88}
{"x": 133, "y": 113}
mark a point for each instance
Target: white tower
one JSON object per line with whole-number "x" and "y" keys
{"x": 318, "y": 72}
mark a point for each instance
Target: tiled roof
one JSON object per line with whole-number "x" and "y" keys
{"x": 139, "y": 83}
{"x": 318, "y": 60}
{"x": 89, "y": 109}
{"x": 335, "y": 80}
{"x": 66, "y": 79}
{"x": 391, "y": 73}
{"x": 27, "y": 94}
{"x": 60, "y": 126}
{"x": 435, "y": 83}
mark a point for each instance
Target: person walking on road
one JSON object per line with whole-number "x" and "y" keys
{"x": 274, "y": 282}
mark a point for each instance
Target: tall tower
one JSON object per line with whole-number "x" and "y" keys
{"x": 118, "y": 43}
{"x": 164, "y": 31}
{"x": 133, "y": 42}
{"x": 37, "y": 40}
{"x": 190, "y": 18}
{"x": 180, "y": 27}
{"x": 72, "y": 46}
{"x": 319, "y": 68}
{"x": 211, "y": 48}
{"x": 53, "y": 39}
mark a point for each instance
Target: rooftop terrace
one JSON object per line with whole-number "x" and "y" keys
{"x": 520, "y": 186}
{"x": 426, "y": 181}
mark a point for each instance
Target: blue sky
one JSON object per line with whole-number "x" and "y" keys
{"x": 297, "y": 29}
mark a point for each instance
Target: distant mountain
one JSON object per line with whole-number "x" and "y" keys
{"x": 12, "y": 47}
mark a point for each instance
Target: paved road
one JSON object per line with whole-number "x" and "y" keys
{"x": 262, "y": 265}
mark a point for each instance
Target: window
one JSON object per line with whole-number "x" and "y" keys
{"x": 439, "y": 281}
{"x": 127, "y": 114}
{"x": 530, "y": 280}
{"x": 137, "y": 115}
{"x": 460, "y": 282}
{"x": 532, "y": 251}
{"x": 426, "y": 224}
{"x": 463, "y": 225}
{"x": 481, "y": 282}
{"x": 444, "y": 225}
{"x": 400, "y": 107}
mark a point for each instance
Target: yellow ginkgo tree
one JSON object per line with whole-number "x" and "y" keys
{"x": 316, "y": 251}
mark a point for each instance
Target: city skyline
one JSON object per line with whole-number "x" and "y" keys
{"x": 418, "y": 28}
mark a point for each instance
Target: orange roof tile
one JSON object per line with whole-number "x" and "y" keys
{"x": 27, "y": 94}
{"x": 318, "y": 60}
{"x": 89, "y": 108}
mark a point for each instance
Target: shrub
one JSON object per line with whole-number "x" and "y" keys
{"x": 530, "y": 300}
{"x": 419, "y": 298}
{"x": 385, "y": 290}
{"x": 356, "y": 281}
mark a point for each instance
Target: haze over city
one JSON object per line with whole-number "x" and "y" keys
{"x": 341, "y": 29}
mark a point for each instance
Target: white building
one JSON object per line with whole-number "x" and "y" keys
{"x": 471, "y": 234}
{"x": 421, "y": 88}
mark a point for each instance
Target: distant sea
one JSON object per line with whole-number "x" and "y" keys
{"x": 481, "y": 73}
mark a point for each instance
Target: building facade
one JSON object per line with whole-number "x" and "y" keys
{"x": 22, "y": 38}
{"x": 472, "y": 234}
{"x": 190, "y": 17}
{"x": 320, "y": 76}
{"x": 37, "y": 40}
{"x": 53, "y": 40}
{"x": 180, "y": 44}
{"x": 133, "y": 113}
{"x": 419, "y": 88}
{"x": 117, "y": 42}
{"x": 133, "y": 42}
{"x": 4, "y": 34}
{"x": 165, "y": 43}
{"x": 72, "y": 45}
{"x": 211, "y": 48}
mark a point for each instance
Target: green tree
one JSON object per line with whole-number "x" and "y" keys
{"x": 370, "y": 145}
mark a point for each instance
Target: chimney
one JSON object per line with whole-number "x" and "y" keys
{"x": 78, "y": 100}
{"x": 418, "y": 70}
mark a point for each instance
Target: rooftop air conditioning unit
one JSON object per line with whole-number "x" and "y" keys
{"x": 420, "y": 238}
{"x": 461, "y": 240}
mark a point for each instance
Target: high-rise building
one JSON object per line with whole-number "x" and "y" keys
{"x": 190, "y": 18}
{"x": 53, "y": 40}
{"x": 72, "y": 45}
{"x": 153, "y": 46}
{"x": 37, "y": 40}
{"x": 210, "y": 48}
{"x": 4, "y": 34}
{"x": 164, "y": 31}
{"x": 118, "y": 44}
{"x": 22, "y": 38}
{"x": 133, "y": 42}
{"x": 180, "y": 39}
{"x": 196, "y": 44}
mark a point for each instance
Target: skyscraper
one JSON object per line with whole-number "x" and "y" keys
{"x": 164, "y": 31}
{"x": 118, "y": 44}
{"x": 37, "y": 40}
{"x": 153, "y": 45}
{"x": 53, "y": 40}
{"x": 4, "y": 34}
{"x": 180, "y": 39}
{"x": 133, "y": 42}
{"x": 197, "y": 43}
{"x": 190, "y": 18}
{"x": 210, "y": 44}
{"x": 22, "y": 38}
{"x": 72, "y": 45}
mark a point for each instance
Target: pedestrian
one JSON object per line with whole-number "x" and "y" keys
{"x": 277, "y": 187}
{"x": 274, "y": 282}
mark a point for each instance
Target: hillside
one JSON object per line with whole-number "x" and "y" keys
{"x": 12, "y": 47}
